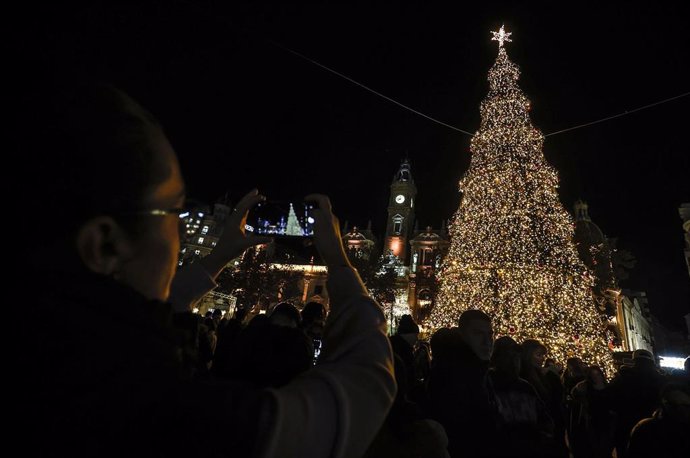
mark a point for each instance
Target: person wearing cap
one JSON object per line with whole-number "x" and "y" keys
{"x": 633, "y": 395}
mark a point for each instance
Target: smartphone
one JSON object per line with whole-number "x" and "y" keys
{"x": 282, "y": 218}
{"x": 291, "y": 225}
{"x": 317, "y": 350}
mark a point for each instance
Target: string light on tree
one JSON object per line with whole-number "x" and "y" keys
{"x": 512, "y": 253}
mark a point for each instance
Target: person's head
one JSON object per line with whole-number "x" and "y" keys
{"x": 408, "y": 329}
{"x": 313, "y": 312}
{"x": 441, "y": 344}
{"x": 595, "y": 376}
{"x": 474, "y": 328}
{"x": 285, "y": 314}
{"x": 675, "y": 402}
{"x": 533, "y": 354}
{"x": 643, "y": 358}
{"x": 505, "y": 357}
{"x": 575, "y": 367}
{"x": 108, "y": 188}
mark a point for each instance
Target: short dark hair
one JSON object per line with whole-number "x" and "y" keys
{"x": 85, "y": 151}
{"x": 529, "y": 346}
{"x": 313, "y": 310}
{"x": 288, "y": 310}
{"x": 472, "y": 315}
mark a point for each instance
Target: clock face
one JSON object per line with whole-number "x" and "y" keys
{"x": 400, "y": 198}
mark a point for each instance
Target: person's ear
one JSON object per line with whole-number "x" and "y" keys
{"x": 103, "y": 245}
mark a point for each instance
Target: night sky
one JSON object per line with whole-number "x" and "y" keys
{"x": 242, "y": 112}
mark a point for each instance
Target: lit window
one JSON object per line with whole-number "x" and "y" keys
{"x": 204, "y": 230}
{"x": 200, "y": 241}
{"x": 213, "y": 243}
{"x": 397, "y": 224}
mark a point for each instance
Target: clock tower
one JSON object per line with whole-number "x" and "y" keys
{"x": 400, "y": 212}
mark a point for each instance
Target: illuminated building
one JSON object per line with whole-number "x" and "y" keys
{"x": 400, "y": 212}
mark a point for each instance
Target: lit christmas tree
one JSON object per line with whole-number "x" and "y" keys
{"x": 512, "y": 253}
{"x": 293, "y": 227}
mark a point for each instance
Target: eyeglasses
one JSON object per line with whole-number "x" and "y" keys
{"x": 180, "y": 212}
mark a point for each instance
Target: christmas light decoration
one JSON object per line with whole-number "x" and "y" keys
{"x": 512, "y": 253}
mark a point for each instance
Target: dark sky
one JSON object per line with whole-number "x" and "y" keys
{"x": 242, "y": 112}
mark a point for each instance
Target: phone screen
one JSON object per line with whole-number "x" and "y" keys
{"x": 291, "y": 225}
{"x": 317, "y": 349}
{"x": 282, "y": 218}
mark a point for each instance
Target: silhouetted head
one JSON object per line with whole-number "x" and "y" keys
{"x": 533, "y": 354}
{"x": 103, "y": 178}
{"x": 474, "y": 328}
{"x": 285, "y": 314}
{"x": 442, "y": 343}
{"x": 505, "y": 357}
{"x": 313, "y": 312}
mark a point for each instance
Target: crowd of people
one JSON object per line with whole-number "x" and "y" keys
{"x": 122, "y": 367}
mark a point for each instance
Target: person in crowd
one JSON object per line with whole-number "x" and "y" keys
{"x": 458, "y": 394}
{"x": 574, "y": 373}
{"x": 525, "y": 428}
{"x": 403, "y": 343}
{"x": 270, "y": 355}
{"x": 592, "y": 419}
{"x": 633, "y": 395}
{"x": 285, "y": 314}
{"x": 547, "y": 385}
{"x": 112, "y": 381}
{"x": 313, "y": 318}
{"x": 551, "y": 365}
{"x": 407, "y": 432}
{"x": 666, "y": 432}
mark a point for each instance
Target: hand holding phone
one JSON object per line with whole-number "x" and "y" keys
{"x": 327, "y": 236}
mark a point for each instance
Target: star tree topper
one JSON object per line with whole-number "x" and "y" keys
{"x": 501, "y": 36}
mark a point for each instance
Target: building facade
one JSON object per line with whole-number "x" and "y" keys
{"x": 401, "y": 215}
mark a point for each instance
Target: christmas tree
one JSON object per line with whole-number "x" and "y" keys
{"x": 293, "y": 227}
{"x": 512, "y": 253}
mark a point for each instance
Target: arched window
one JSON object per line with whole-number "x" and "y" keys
{"x": 397, "y": 223}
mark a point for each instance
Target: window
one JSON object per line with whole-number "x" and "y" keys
{"x": 204, "y": 230}
{"x": 200, "y": 241}
{"x": 397, "y": 224}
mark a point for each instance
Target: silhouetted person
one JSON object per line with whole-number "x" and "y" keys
{"x": 548, "y": 387}
{"x": 592, "y": 419}
{"x": 313, "y": 319}
{"x": 458, "y": 394}
{"x": 634, "y": 395}
{"x": 403, "y": 343}
{"x": 666, "y": 432}
{"x": 525, "y": 428}
{"x": 285, "y": 314}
